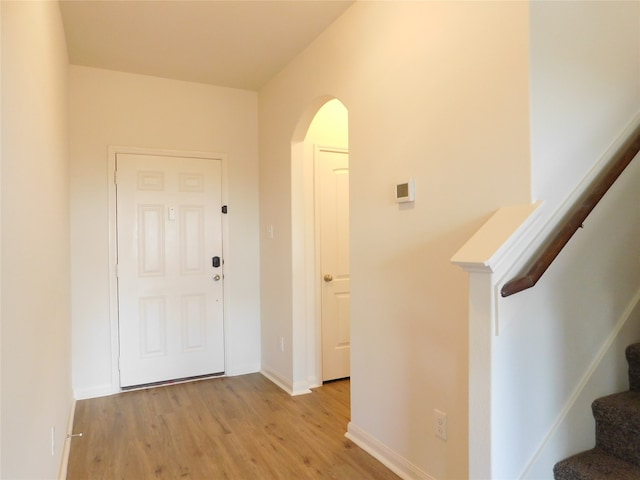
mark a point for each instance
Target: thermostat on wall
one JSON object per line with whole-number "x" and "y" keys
{"x": 405, "y": 192}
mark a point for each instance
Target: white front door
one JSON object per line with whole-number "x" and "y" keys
{"x": 332, "y": 176}
{"x": 170, "y": 297}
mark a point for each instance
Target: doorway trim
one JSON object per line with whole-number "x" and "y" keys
{"x": 306, "y": 356}
{"x": 113, "y": 151}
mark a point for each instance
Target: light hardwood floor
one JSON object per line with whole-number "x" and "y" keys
{"x": 223, "y": 428}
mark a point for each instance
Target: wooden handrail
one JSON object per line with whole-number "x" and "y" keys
{"x": 574, "y": 218}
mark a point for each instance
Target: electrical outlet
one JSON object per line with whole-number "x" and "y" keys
{"x": 440, "y": 424}
{"x": 281, "y": 344}
{"x": 53, "y": 441}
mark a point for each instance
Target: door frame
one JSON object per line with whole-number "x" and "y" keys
{"x": 113, "y": 151}
{"x": 304, "y": 322}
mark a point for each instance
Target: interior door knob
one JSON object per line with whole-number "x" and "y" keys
{"x": 328, "y": 277}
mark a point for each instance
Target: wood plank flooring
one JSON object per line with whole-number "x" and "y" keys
{"x": 223, "y": 428}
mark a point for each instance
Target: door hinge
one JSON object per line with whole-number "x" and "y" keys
{"x": 224, "y": 209}
{"x": 115, "y": 177}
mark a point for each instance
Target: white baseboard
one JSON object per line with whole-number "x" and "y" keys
{"x": 284, "y": 383}
{"x": 314, "y": 381}
{"x": 64, "y": 462}
{"x": 278, "y": 379}
{"x": 390, "y": 459}
{"x": 300, "y": 388}
{"x": 94, "y": 392}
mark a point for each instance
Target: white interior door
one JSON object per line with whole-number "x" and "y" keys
{"x": 170, "y": 294}
{"x": 332, "y": 177}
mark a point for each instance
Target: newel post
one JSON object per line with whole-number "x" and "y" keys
{"x": 487, "y": 256}
{"x": 481, "y": 332}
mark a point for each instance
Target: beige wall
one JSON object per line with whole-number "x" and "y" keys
{"x": 36, "y": 332}
{"x": 117, "y": 109}
{"x": 437, "y": 92}
{"x": 586, "y": 54}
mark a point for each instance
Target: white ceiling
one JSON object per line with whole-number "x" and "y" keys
{"x": 231, "y": 43}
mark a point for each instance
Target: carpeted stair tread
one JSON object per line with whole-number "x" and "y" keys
{"x": 632, "y": 353}
{"x": 618, "y": 425}
{"x": 616, "y": 455}
{"x": 595, "y": 465}
{"x": 619, "y": 408}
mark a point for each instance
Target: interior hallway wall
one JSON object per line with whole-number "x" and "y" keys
{"x": 35, "y": 360}
{"x": 117, "y": 109}
{"x": 585, "y": 88}
{"x": 437, "y": 92}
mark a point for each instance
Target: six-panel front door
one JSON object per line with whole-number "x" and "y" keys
{"x": 170, "y": 294}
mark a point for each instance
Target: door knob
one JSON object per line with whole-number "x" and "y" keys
{"x": 216, "y": 278}
{"x": 328, "y": 277}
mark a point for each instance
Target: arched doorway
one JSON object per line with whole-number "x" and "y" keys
{"x": 322, "y": 131}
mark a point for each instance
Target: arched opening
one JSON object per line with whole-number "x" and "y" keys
{"x": 323, "y": 130}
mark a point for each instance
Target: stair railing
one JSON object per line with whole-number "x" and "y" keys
{"x": 574, "y": 219}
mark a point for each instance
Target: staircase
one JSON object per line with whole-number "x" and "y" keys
{"x": 616, "y": 455}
